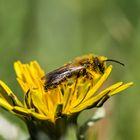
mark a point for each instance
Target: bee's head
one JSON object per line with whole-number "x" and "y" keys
{"x": 100, "y": 63}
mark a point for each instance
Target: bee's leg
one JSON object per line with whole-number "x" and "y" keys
{"x": 83, "y": 72}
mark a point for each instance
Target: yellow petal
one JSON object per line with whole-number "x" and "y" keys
{"x": 99, "y": 83}
{"x": 29, "y": 76}
{"x": 123, "y": 87}
{"x": 8, "y": 95}
{"x": 37, "y": 101}
{"x": 39, "y": 116}
{"x": 26, "y": 70}
{"x": 25, "y": 87}
{"x": 28, "y": 113}
{"x": 5, "y": 104}
{"x": 19, "y": 70}
{"x": 36, "y": 69}
{"x": 96, "y": 98}
{"x": 20, "y": 111}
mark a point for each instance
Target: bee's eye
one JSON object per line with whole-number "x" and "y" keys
{"x": 99, "y": 65}
{"x": 96, "y": 62}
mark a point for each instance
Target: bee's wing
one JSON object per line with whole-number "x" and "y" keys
{"x": 58, "y": 75}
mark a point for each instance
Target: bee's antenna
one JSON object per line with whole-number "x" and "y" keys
{"x": 115, "y": 61}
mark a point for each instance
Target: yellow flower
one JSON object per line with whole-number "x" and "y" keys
{"x": 63, "y": 102}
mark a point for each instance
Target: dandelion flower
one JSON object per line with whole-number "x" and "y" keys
{"x": 51, "y": 111}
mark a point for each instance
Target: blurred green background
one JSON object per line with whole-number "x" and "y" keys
{"x": 54, "y": 32}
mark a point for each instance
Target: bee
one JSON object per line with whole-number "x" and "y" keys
{"x": 80, "y": 66}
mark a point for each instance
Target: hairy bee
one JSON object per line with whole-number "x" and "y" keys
{"x": 79, "y": 66}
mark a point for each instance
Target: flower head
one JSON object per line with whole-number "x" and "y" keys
{"x": 59, "y": 105}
